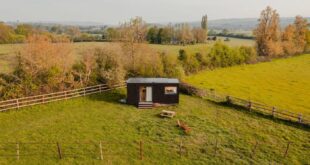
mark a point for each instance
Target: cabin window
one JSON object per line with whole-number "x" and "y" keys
{"x": 170, "y": 90}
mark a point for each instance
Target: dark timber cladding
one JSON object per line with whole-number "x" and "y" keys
{"x": 152, "y": 90}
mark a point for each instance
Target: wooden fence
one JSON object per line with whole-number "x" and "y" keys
{"x": 56, "y": 96}
{"x": 247, "y": 104}
{"x": 256, "y": 107}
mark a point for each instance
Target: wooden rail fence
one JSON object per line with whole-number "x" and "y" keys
{"x": 258, "y": 107}
{"x": 56, "y": 96}
{"x": 276, "y": 113}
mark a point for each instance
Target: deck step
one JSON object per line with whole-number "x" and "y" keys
{"x": 145, "y": 105}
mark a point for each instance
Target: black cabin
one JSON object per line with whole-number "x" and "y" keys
{"x": 145, "y": 92}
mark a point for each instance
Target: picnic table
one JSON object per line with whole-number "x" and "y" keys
{"x": 169, "y": 114}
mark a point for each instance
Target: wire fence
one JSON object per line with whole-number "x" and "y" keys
{"x": 143, "y": 150}
{"x": 56, "y": 96}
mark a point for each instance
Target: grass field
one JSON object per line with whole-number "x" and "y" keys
{"x": 284, "y": 83}
{"x": 101, "y": 117}
{"x": 8, "y": 51}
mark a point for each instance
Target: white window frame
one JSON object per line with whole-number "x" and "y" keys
{"x": 175, "y": 90}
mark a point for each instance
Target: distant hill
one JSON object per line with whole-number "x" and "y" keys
{"x": 241, "y": 23}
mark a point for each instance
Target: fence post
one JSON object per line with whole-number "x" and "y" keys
{"x": 100, "y": 88}
{"x": 17, "y": 103}
{"x": 274, "y": 111}
{"x": 300, "y": 118}
{"x": 228, "y": 99}
{"x": 180, "y": 148}
{"x": 100, "y": 147}
{"x": 17, "y": 151}
{"x": 215, "y": 147}
{"x": 43, "y": 99}
{"x": 84, "y": 92}
{"x": 254, "y": 150}
{"x": 287, "y": 147}
{"x": 66, "y": 95}
{"x": 250, "y": 106}
{"x": 59, "y": 151}
{"x": 141, "y": 149}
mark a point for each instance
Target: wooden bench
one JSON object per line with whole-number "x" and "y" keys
{"x": 169, "y": 114}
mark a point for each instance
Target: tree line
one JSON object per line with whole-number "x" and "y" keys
{"x": 44, "y": 65}
{"x": 20, "y": 33}
{"x": 181, "y": 33}
{"x": 273, "y": 42}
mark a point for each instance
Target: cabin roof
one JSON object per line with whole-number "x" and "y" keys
{"x": 152, "y": 80}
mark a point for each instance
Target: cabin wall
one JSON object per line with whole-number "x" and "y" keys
{"x": 159, "y": 95}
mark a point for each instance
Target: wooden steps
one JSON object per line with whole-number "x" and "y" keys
{"x": 145, "y": 105}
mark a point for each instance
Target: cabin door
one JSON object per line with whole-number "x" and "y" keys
{"x": 149, "y": 94}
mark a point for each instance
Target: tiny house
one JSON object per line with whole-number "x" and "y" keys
{"x": 145, "y": 92}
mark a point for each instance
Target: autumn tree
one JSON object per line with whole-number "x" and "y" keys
{"x": 308, "y": 41}
{"x": 288, "y": 40}
{"x": 199, "y": 35}
{"x": 73, "y": 32}
{"x": 109, "y": 65}
{"x": 42, "y": 66}
{"x": 301, "y": 26}
{"x": 267, "y": 33}
{"x": 184, "y": 33}
{"x": 132, "y": 34}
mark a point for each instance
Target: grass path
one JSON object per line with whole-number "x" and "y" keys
{"x": 101, "y": 117}
{"x": 284, "y": 83}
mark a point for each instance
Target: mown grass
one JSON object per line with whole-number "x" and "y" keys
{"x": 119, "y": 126}
{"x": 8, "y": 51}
{"x": 284, "y": 83}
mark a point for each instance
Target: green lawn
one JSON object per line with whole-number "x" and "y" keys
{"x": 284, "y": 83}
{"x": 101, "y": 117}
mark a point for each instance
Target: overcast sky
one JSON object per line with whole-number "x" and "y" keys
{"x": 153, "y": 11}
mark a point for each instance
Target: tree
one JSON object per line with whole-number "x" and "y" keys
{"x": 152, "y": 35}
{"x": 199, "y": 35}
{"x": 301, "y": 26}
{"x": 184, "y": 34}
{"x": 42, "y": 66}
{"x": 24, "y": 29}
{"x": 111, "y": 34}
{"x": 204, "y": 23}
{"x": 134, "y": 31}
{"x": 109, "y": 68}
{"x": 5, "y": 33}
{"x": 225, "y": 32}
{"x": 73, "y": 32}
{"x": 308, "y": 41}
{"x": 132, "y": 34}
{"x": 267, "y": 33}
{"x": 288, "y": 40}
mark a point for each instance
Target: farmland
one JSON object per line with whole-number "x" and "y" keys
{"x": 119, "y": 127}
{"x": 283, "y": 83}
{"x": 8, "y": 51}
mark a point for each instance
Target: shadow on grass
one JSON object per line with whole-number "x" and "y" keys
{"x": 113, "y": 96}
{"x": 266, "y": 116}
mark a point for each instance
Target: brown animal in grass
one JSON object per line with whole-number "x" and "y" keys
{"x": 184, "y": 126}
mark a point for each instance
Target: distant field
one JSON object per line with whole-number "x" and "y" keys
{"x": 102, "y": 118}
{"x": 8, "y": 51}
{"x": 283, "y": 83}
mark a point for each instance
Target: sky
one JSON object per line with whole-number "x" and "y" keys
{"x": 113, "y": 12}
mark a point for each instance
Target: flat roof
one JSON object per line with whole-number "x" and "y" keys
{"x": 153, "y": 80}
